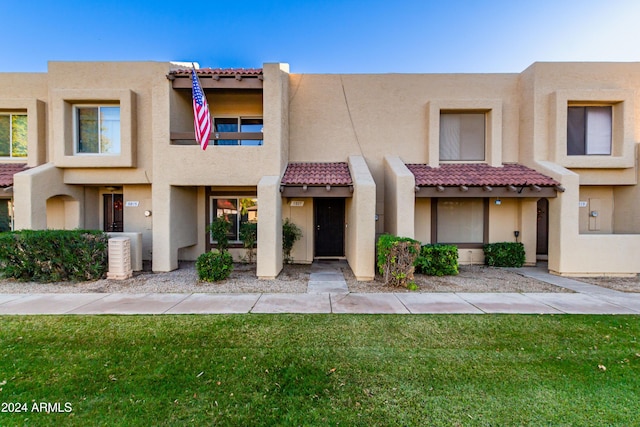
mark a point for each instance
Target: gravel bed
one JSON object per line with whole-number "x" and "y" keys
{"x": 471, "y": 278}
{"x": 294, "y": 279}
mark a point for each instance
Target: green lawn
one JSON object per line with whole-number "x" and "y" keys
{"x": 244, "y": 370}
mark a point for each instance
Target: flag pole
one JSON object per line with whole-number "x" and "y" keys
{"x": 201, "y": 116}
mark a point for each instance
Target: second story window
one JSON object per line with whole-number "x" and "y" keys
{"x": 462, "y": 136}
{"x": 97, "y": 129}
{"x": 237, "y": 130}
{"x": 13, "y": 135}
{"x": 589, "y": 130}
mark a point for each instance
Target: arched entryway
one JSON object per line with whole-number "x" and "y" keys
{"x": 63, "y": 213}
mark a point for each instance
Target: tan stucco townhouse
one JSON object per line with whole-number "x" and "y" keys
{"x": 547, "y": 157}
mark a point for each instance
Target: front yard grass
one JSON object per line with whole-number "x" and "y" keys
{"x": 320, "y": 370}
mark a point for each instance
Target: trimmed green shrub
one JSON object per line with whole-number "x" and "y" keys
{"x": 438, "y": 260}
{"x": 291, "y": 233}
{"x": 219, "y": 230}
{"x": 249, "y": 237}
{"x": 214, "y": 266}
{"x": 504, "y": 254}
{"x": 53, "y": 255}
{"x": 396, "y": 258}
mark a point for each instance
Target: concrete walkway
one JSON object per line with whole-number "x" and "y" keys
{"x": 328, "y": 293}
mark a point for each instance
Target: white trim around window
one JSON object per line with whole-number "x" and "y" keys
{"x": 96, "y": 129}
{"x": 14, "y": 139}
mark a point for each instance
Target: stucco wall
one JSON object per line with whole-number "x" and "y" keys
{"x": 399, "y": 202}
{"x": 137, "y": 200}
{"x": 32, "y": 189}
{"x": 360, "y": 217}
{"x": 546, "y": 89}
{"x": 302, "y": 216}
{"x": 310, "y": 117}
{"x": 334, "y": 116}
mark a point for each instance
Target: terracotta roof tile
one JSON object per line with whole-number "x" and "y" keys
{"x": 219, "y": 71}
{"x": 477, "y": 174}
{"x": 317, "y": 174}
{"x": 7, "y": 170}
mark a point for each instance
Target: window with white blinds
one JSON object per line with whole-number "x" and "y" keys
{"x": 462, "y": 136}
{"x": 589, "y": 130}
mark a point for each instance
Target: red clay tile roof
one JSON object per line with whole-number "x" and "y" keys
{"x": 219, "y": 71}
{"x": 477, "y": 174}
{"x": 7, "y": 170}
{"x": 317, "y": 174}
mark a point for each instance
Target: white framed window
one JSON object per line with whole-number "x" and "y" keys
{"x": 13, "y": 135}
{"x": 589, "y": 130}
{"x": 462, "y": 136}
{"x": 240, "y": 125}
{"x": 97, "y": 129}
{"x": 237, "y": 210}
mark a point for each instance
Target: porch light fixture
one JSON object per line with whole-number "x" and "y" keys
{"x": 147, "y": 213}
{"x": 517, "y": 234}
{"x": 498, "y": 201}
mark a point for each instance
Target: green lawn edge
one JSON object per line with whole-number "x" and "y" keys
{"x": 320, "y": 370}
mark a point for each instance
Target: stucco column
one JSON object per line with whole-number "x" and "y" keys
{"x": 563, "y": 216}
{"x": 269, "y": 253}
{"x": 361, "y": 223}
{"x": 400, "y": 198}
{"x": 165, "y": 255}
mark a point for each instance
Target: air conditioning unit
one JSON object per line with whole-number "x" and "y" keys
{"x": 119, "y": 258}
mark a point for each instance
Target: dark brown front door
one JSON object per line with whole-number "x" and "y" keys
{"x": 113, "y": 212}
{"x": 329, "y": 221}
{"x": 542, "y": 243}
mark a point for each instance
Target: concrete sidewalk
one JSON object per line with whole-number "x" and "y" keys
{"x": 328, "y": 293}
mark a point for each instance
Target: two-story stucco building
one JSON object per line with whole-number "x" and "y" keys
{"x": 547, "y": 157}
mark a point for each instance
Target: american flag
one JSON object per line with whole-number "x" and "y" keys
{"x": 201, "y": 117}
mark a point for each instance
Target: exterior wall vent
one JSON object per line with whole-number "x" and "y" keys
{"x": 119, "y": 258}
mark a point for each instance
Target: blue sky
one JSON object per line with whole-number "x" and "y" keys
{"x": 325, "y": 36}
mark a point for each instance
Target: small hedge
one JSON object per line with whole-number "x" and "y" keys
{"x": 504, "y": 254}
{"x": 438, "y": 260}
{"x": 396, "y": 259}
{"x": 53, "y": 255}
{"x": 214, "y": 266}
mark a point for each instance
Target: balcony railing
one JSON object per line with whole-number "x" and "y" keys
{"x": 219, "y": 138}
